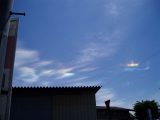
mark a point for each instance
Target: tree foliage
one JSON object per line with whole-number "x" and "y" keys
{"x": 141, "y": 109}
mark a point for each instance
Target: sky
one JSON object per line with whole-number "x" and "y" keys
{"x": 108, "y": 43}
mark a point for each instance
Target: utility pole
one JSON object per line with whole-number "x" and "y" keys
{"x": 8, "y": 38}
{"x": 5, "y": 8}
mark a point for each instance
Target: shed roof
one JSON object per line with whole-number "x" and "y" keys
{"x": 54, "y": 89}
{"x": 113, "y": 108}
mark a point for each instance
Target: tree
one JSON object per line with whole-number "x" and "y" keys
{"x": 142, "y": 109}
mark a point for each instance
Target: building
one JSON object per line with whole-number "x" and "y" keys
{"x": 53, "y": 103}
{"x": 113, "y": 113}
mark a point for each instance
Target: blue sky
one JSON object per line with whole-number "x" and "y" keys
{"x": 113, "y": 43}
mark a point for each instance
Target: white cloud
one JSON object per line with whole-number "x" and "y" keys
{"x": 97, "y": 49}
{"x": 92, "y": 51}
{"x": 43, "y": 63}
{"x": 47, "y": 72}
{"x": 27, "y": 75}
{"x": 65, "y": 75}
{"x": 136, "y": 67}
{"x": 103, "y": 95}
{"x": 107, "y": 94}
{"x": 25, "y": 56}
{"x": 65, "y": 70}
{"x": 29, "y": 67}
{"x": 100, "y": 48}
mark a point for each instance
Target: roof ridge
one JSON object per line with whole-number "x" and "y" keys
{"x": 56, "y": 86}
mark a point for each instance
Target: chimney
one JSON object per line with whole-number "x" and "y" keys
{"x": 107, "y": 104}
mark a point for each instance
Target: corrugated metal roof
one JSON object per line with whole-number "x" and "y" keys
{"x": 54, "y": 89}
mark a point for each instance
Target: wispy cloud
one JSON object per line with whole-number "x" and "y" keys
{"x": 79, "y": 79}
{"x": 65, "y": 75}
{"x": 103, "y": 95}
{"x": 47, "y": 72}
{"x": 87, "y": 82}
{"x": 27, "y": 74}
{"x": 137, "y": 69}
{"x": 43, "y": 63}
{"x": 108, "y": 94}
{"x": 118, "y": 102}
{"x": 25, "y": 56}
{"x": 29, "y": 67}
{"x": 135, "y": 66}
{"x": 100, "y": 48}
{"x": 88, "y": 69}
{"x": 112, "y": 9}
{"x": 93, "y": 51}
